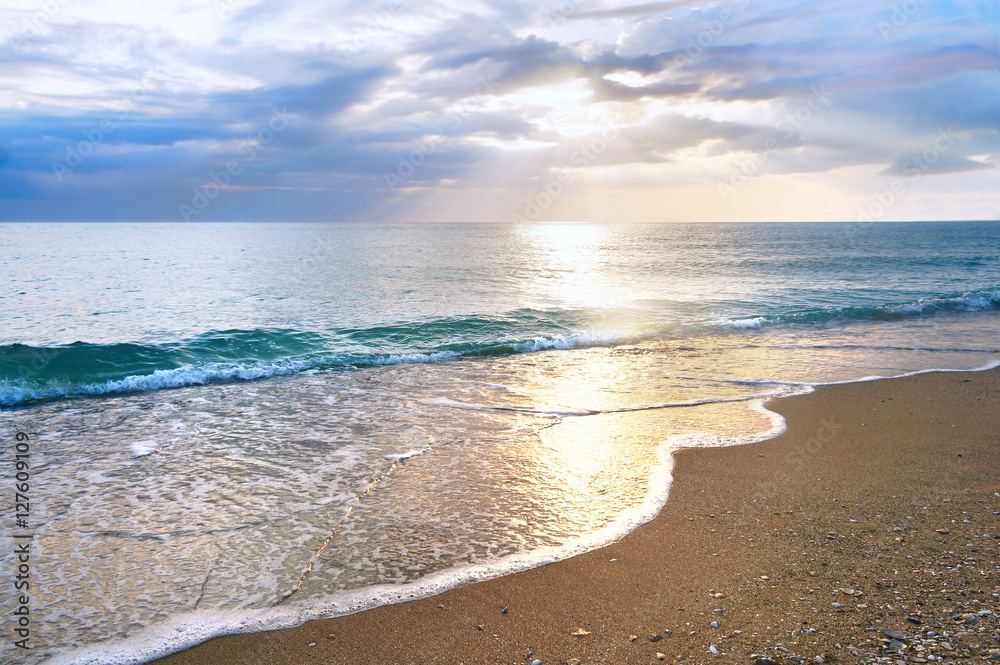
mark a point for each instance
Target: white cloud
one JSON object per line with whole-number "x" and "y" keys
{"x": 697, "y": 88}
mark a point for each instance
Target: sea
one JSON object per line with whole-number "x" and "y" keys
{"x": 239, "y": 427}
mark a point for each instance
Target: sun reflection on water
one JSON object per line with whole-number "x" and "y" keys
{"x": 572, "y": 270}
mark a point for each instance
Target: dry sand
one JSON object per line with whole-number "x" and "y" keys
{"x": 877, "y": 509}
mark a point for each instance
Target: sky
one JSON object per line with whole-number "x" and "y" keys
{"x": 460, "y": 110}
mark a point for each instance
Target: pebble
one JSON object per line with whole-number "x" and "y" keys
{"x": 536, "y": 662}
{"x": 311, "y": 644}
{"x": 949, "y": 606}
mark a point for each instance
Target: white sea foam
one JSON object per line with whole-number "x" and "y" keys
{"x": 908, "y": 308}
{"x": 576, "y": 341}
{"x": 402, "y": 457}
{"x": 416, "y": 358}
{"x": 974, "y": 301}
{"x": 187, "y": 375}
{"x": 183, "y": 631}
{"x": 755, "y": 322}
{"x": 190, "y": 375}
{"x": 197, "y": 375}
{"x": 878, "y": 377}
{"x": 17, "y": 392}
{"x": 782, "y": 390}
{"x": 543, "y": 410}
{"x": 143, "y": 448}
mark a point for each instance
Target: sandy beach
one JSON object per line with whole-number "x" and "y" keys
{"x": 867, "y": 531}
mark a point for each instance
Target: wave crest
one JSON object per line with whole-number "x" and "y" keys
{"x": 40, "y": 373}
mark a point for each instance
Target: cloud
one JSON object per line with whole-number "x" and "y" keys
{"x": 644, "y": 9}
{"x": 160, "y": 99}
{"x": 612, "y": 90}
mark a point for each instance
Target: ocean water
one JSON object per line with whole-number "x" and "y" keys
{"x": 236, "y": 427}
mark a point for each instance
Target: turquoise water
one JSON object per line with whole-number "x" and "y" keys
{"x": 118, "y": 308}
{"x": 243, "y": 426}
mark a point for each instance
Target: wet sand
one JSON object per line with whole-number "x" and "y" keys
{"x": 877, "y": 509}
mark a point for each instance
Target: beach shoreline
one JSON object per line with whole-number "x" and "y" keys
{"x": 812, "y": 542}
